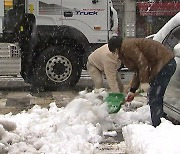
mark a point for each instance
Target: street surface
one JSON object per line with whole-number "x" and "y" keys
{"x": 15, "y": 95}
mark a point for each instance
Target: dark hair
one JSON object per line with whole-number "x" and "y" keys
{"x": 114, "y": 43}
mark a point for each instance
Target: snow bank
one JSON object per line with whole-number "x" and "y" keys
{"x": 146, "y": 139}
{"x": 75, "y": 129}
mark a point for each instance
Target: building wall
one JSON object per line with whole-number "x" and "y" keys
{"x": 127, "y": 17}
{"x": 151, "y": 21}
{"x": 132, "y": 24}
{"x": 119, "y": 6}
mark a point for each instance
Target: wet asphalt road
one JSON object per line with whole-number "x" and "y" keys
{"x": 15, "y": 95}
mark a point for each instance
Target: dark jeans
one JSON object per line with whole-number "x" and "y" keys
{"x": 157, "y": 89}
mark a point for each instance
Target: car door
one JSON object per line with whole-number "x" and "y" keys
{"x": 49, "y": 13}
{"x": 172, "y": 95}
{"x": 88, "y": 17}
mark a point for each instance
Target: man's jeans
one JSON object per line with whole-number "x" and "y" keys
{"x": 157, "y": 89}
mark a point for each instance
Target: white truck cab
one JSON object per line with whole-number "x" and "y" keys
{"x": 50, "y": 40}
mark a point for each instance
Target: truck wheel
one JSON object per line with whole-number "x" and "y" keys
{"x": 57, "y": 67}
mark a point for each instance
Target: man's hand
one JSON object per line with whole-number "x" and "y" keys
{"x": 130, "y": 96}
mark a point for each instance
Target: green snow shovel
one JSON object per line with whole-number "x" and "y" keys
{"x": 114, "y": 101}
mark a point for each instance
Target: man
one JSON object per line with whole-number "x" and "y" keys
{"x": 102, "y": 61}
{"x": 152, "y": 63}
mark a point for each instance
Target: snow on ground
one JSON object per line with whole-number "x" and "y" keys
{"x": 79, "y": 128}
{"x": 145, "y": 139}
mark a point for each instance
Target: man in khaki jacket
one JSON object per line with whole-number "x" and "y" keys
{"x": 102, "y": 61}
{"x": 152, "y": 63}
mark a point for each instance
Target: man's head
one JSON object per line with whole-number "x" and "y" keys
{"x": 114, "y": 43}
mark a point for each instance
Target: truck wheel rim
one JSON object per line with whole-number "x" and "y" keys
{"x": 58, "y": 68}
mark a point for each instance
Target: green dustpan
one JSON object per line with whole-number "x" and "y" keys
{"x": 114, "y": 101}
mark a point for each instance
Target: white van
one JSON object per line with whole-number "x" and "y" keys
{"x": 169, "y": 35}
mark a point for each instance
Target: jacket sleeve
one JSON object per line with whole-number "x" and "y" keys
{"x": 110, "y": 70}
{"x": 135, "y": 82}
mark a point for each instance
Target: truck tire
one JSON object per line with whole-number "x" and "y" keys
{"x": 57, "y": 67}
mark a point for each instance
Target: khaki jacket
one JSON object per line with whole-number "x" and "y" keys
{"x": 108, "y": 63}
{"x": 145, "y": 57}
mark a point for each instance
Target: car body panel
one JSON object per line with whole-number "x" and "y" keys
{"x": 169, "y": 35}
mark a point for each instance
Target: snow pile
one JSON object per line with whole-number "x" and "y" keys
{"x": 5, "y": 134}
{"x": 82, "y": 125}
{"x": 146, "y": 139}
{"x": 73, "y": 129}
{"x": 126, "y": 116}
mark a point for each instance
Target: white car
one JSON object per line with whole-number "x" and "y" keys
{"x": 169, "y": 35}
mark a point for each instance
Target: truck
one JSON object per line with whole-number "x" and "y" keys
{"x": 48, "y": 42}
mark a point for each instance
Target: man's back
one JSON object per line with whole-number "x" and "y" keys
{"x": 101, "y": 56}
{"x": 151, "y": 49}
{"x": 145, "y": 56}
